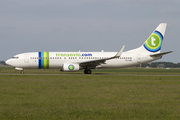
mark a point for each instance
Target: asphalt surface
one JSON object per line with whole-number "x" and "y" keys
{"x": 95, "y": 74}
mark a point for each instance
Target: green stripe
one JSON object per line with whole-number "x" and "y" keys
{"x": 46, "y": 59}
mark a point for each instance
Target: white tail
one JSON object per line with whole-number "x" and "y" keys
{"x": 154, "y": 42}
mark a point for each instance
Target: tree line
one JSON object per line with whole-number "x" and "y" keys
{"x": 162, "y": 64}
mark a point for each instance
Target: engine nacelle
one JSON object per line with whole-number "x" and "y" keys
{"x": 70, "y": 67}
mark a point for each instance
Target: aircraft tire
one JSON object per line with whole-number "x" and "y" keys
{"x": 87, "y": 71}
{"x": 22, "y": 71}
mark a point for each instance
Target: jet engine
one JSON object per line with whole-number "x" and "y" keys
{"x": 70, "y": 67}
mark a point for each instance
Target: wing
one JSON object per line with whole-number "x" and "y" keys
{"x": 94, "y": 63}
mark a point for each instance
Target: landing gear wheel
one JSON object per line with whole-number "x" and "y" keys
{"x": 87, "y": 71}
{"x": 22, "y": 71}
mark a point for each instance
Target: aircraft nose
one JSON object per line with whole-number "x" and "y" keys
{"x": 8, "y": 62}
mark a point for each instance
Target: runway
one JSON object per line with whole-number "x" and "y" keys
{"x": 93, "y": 74}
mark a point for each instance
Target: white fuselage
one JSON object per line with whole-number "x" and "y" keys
{"x": 57, "y": 59}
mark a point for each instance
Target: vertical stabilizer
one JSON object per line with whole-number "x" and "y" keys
{"x": 154, "y": 42}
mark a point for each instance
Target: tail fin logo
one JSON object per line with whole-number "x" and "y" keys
{"x": 154, "y": 42}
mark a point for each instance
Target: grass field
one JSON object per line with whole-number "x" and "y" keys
{"x": 97, "y": 96}
{"x": 98, "y": 71}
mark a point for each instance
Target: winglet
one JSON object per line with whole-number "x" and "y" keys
{"x": 120, "y": 52}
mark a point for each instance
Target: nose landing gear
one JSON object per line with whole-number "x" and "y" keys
{"x": 22, "y": 70}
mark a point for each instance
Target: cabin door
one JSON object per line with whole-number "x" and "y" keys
{"x": 26, "y": 58}
{"x": 138, "y": 58}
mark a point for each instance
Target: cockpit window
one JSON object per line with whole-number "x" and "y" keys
{"x": 15, "y": 57}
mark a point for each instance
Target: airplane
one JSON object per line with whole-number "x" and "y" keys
{"x": 75, "y": 61}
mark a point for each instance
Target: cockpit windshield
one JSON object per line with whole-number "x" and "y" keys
{"x": 15, "y": 57}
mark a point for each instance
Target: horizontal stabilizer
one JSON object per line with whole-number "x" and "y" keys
{"x": 160, "y": 54}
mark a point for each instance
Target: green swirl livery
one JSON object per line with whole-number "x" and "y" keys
{"x": 154, "y": 42}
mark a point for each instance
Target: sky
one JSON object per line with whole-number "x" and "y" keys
{"x": 91, "y": 25}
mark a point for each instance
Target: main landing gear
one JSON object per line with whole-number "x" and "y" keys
{"x": 87, "y": 71}
{"x": 22, "y": 71}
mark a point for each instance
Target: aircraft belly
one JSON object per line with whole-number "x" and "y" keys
{"x": 119, "y": 64}
{"x": 55, "y": 64}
